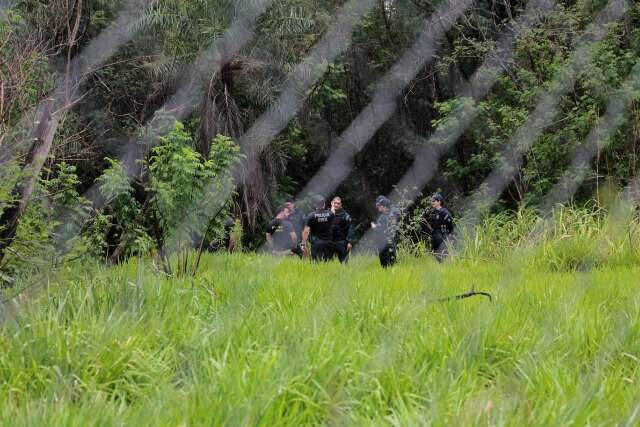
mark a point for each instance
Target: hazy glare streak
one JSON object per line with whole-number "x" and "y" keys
{"x": 337, "y": 39}
{"x": 476, "y": 88}
{"x": 94, "y": 55}
{"x": 542, "y": 117}
{"x": 596, "y": 141}
{"x": 184, "y": 100}
{"x": 384, "y": 101}
{"x": 447, "y": 134}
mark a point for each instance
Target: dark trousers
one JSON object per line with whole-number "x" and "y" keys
{"x": 342, "y": 251}
{"x": 387, "y": 256}
{"x": 298, "y": 250}
{"x": 322, "y": 250}
{"x": 439, "y": 246}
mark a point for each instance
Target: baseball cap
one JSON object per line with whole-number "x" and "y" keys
{"x": 437, "y": 198}
{"x": 383, "y": 201}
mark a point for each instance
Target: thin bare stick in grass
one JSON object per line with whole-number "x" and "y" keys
{"x": 204, "y": 236}
{"x": 471, "y": 293}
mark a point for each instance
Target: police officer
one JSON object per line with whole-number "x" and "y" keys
{"x": 319, "y": 230}
{"x": 342, "y": 230}
{"x": 386, "y": 231}
{"x": 440, "y": 224}
{"x": 298, "y": 221}
{"x": 281, "y": 236}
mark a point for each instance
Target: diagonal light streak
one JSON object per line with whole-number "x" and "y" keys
{"x": 541, "y": 118}
{"x": 182, "y": 102}
{"x": 188, "y": 94}
{"x": 597, "y": 140}
{"x": 475, "y": 89}
{"x": 337, "y": 39}
{"x": 94, "y": 55}
{"x": 384, "y": 102}
{"x": 4, "y": 6}
{"x": 446, "y": 135}
{"x": 338, "y": 167}
{"x": 335, "y": 42}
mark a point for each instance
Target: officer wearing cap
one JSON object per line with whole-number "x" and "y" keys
{"x": 386, "y": 231}
{"x": 280, "y": 234}
{"x": 298, "y": 221}
{"x": 343, "y": 233}
{"x": 440, "y": 224}
{"x": 319, "y": 230}
{"x": 295, "y": 216}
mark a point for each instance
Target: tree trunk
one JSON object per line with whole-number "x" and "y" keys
{"x": 41, "y": 144}
{"x": 42, "y": 138}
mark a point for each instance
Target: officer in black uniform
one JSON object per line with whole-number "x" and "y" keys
{"x": 319, "y": 230}
{"x": 342, "y": 230}
{"x": 386, "y": 231}
{"x": 440, "y": 224}
{"x": 281, "y": 236}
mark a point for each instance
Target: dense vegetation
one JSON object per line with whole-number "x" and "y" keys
{"x": 91, "y": 184}
{"x": 123, "y": 153}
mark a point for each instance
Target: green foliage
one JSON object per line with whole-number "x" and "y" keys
{"x": 177, "y": 173}
{"x": 187, "y": 199}
{"x": 183, "y": 27}
{"x": 9, "y": 177}
{"x": 54, "y": 208}
{"x": 290, "y": 27}
{"x": 326, "y": 92}
{"x": 24, "y": 74}
{"x": 292, "y": 343}
{"x": 189, "y": 192}
{"x": 122, "y": 220}
{"x": 119, "y": 97}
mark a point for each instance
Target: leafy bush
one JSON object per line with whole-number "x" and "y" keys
{"x": 187, "y": 199}
{"x": 55, "y": 205}
{"x": 120, "y": 225}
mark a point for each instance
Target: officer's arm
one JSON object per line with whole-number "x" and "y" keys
{"x": 350, "y": 230}
{"x": 429, "y": 226}
{"x": 449, "y": 222}
{"x": 305, "y": 237}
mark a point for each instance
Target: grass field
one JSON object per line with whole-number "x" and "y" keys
{"x": 255, "y": 341}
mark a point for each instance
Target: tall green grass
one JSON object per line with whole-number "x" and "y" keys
{"x": 571, "y": 238}
{"x": 254, "y": 340}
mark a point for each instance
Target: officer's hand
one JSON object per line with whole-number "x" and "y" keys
{"x": 373, "y": 225}
{"x": 349, "y": 246}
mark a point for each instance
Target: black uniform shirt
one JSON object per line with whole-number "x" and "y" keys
{"x": 387, "y": 226}
{"x": 280, "y": 230}
{"x": 320, "y": 222}
{"x": 441, "y": 222}
{"x": 342, "y": 226}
